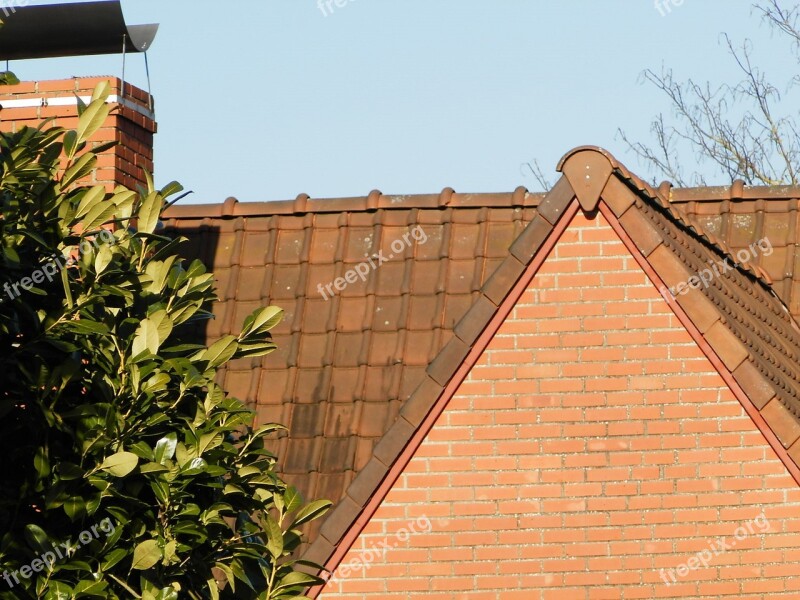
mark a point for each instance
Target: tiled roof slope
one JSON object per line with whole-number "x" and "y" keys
{"x": 741, "y": 325}
{"x": 741, "y": 215}
{"x": 344, "y": 366}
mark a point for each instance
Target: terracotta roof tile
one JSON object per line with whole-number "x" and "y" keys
{"x": 313, "y": 351}
{"x": 455, "y": 307}
{"x": 374, "y": 419}
{"x": 337, "y": 451}
{"x": 416, "y": 408}
{"x": 340, "y": 519}
{"x": 758, "y": 389}
{"x": 302, "y": 455}
{"x": 780, "y": 420}
{"x": 380, "y": 382}
{"x": 419, "y": 345}
{"x": 316, "y": 315}
{"x": 475, "y": 320}
{"x": 531, "y": 238}
{"x": 329, "y": 484}
{"x": 311, "y": 385}
{"x": 340, "y": 419}
{"x": 349, "y": 350}
{"x": 424, "y": 312}
{"x": 256, "y": 247}
{"x": 505, "y": 276}
{"x": 428, "y": 277}
{"x": 671, "y": 268}
{"x": 285, "y": 282}
{"x": 553, "y": 206}
{"x": 644, "y": 235}
{"x": 618, "y": 196}
{"x": 699, "y": 308}
{"x": 344, "y": 385}
{"x": 307, "y": 419}
{"x": 364, "y": 451}
{"x": 393, "y": 442}
{"x": 728, "y": 348}
{"x": 448, "y": 360}
{"x": 366, "y": 481}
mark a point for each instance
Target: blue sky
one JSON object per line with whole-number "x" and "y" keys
{"x": 265, "y": 99}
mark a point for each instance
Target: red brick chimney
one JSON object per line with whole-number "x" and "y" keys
{"x": 131, "y": 122}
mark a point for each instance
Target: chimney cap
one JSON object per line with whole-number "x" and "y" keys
{"x": 78, "y": 29}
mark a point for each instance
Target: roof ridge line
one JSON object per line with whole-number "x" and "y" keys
{"x": 375, "y": 200}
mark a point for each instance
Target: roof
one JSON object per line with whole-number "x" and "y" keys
{"x": 344, "y": 366}
{"x": 359, "y": 377}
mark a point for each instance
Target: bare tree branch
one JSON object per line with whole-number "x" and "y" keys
{"x": 735, "y": 127}
{"x": 534, "y": 168}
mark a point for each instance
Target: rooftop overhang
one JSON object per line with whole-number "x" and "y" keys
{"x": 60, "y": 30}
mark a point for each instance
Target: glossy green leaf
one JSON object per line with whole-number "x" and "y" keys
{"x": 149, "y": 212}
{"x": 165, "y": 448}
{"x": 146, "y": 339}
{"x": 79, "y": 169}
{"x": 100, "y": 214}
{"x": 93, "y": 197}
{"x": 58, "y": 590}
{"x": 8, "y": 78}
{"x": 274, "y": 537}
{"x": 145, "y": 555}
{"x": 92, "y": 119}
{"x": 104, "y": 257}
{"x": 311, "y": 511}
{"x": 292, "y": 499}
{"x": 120, "y": 464}
{"x": 36, "y": 537}
{"x": 220, "y": 351}
{"x": 261, "y": 321}
{"x": 89, "y": 588}
{"x": 113, "y": 558}
{"x": 70, "y": 143}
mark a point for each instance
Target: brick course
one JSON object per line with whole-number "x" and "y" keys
{"x": 591, "y": 446}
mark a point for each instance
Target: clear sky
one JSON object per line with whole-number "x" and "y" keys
{"x": 265, "y": 99}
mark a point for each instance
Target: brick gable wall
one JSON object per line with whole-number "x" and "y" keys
{"x": 593, "y": 452}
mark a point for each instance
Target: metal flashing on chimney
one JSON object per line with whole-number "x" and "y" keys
{"x": 73, "y": 101}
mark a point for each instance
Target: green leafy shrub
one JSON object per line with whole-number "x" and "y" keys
{"x": 128, "y": 471}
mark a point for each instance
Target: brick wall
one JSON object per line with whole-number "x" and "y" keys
{"x": 131, "y": 123}
{"x": 592, "y": 446}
